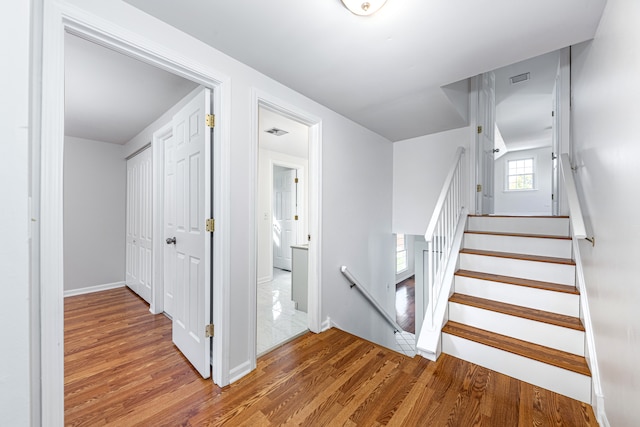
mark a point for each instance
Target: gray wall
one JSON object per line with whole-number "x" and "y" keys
{"x": 95, "y": 176}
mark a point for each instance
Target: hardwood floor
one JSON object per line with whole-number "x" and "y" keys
{"x": 406, "y": 304}
{"x": 121, "y": 369}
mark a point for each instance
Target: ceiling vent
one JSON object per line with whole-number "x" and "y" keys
{"x": 520, "y": 78}
{"x": 276, "y": 131}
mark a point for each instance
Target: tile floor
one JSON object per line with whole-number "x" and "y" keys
{"x": 406, "y": 343}
{"x": 278, "y": 320}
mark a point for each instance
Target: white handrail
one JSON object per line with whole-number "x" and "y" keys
{"x": 575, "y": 212}
{"x": 372, "y": 300}
{"x": 439, "y": 236}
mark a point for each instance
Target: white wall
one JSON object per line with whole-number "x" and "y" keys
{"x": 14, "y": 216}
{"x": 357, "y": 195}
{"x": 266, "y": 158}
{"x": 530, "y": 202}
{"x": 95, "y": 177}
{"x": 420, "y": 166}
{"x": 606, "y": 149}
{"x": 356, "y": 187}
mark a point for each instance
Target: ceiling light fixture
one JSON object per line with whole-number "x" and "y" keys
{"x": 364, "y": 8}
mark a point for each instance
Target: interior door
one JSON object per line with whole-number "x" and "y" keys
{"x": 139, "y": 242}
{"x": 486, "y": 138}
{"x": 284, "y": 227}
{"x": 191, "y": 252}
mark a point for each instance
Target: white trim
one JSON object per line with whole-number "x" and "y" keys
{"x": 59, "y": 18}
{"x": 314, "y": 188}
{"x": 240, "y": 371}
{"x": 92, "y": 289}
{"x": 404, "y": 275}
{"x": 534, "y": 173}
{"x": 328, "y": 324}
{"x": 156, "y": 305}
{"x": 597, "y": 395}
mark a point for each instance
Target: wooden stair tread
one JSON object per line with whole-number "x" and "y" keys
{"x": 518, "y": 216}
{"x": 518, "y": 281}
{"x": 538, "y": 236}
{"x": 524, "y": 257}
{"x": 551, "y": 356}
{"x": 547, "y": 317}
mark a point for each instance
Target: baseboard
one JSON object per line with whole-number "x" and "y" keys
{"x": 239, "y": 371}
{"x": 326, "y": 325}
{"x": 265, "y": 279}
{"x": 92, "y": 289}
{"x": 601, "y": 416}
{"x": 404, "y": 276}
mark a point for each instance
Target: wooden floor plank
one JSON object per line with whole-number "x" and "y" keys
{"x": 518, "y": 281}
{"x": 126, "y": 372}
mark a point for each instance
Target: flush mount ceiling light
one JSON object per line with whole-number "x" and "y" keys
{"x": 364, "y": 8}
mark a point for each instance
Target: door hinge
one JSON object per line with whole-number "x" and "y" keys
{"x": 210, "y": 120}
{"x": 295, "y": 217}
{"x": 479, "y": 129}
{"x": 479, "y": 188}
{"x": 553, "y": 114}
{"x": 211, "y": 225}
{"x": 209, "y": 331}
{"x": 295, "y": 180}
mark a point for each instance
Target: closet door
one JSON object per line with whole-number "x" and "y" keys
{"x": 139, "y": 224}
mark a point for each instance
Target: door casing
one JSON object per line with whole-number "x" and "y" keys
{"x": 48, "y": 251}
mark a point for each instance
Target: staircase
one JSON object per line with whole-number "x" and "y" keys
{"x": 515, "y": 307}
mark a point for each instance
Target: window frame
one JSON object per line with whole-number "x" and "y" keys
{"x": 534, "y": 174}
{"x": 401, "y": 251}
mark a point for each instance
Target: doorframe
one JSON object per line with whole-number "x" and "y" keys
{"x": 157, "y": 145}
{"x": 271, "y": 103}
{"x": 58, "y": 18}
{"x": 563, "y": 119}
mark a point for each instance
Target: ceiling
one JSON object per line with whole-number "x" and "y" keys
{"x": 523, "y": 110}
{"x": 295, "y": 142}
{"x": 385, "y": 71}
{"x": 111, "y": 97}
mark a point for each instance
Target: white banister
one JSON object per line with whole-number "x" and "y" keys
{"x": 439, "y": 236}
{"x": 573, "y": 200}
{"x": 370, "y": 298}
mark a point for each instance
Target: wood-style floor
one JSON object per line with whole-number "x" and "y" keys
{"x": 121, "y": 369}
{"x": 406, "y": 304}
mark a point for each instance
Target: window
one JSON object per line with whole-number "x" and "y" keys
{"x": 520, "y": 174}
{"x": 401, "y": 253}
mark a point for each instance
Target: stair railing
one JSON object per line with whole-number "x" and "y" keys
{"x": 573, "y": 200}
{"x": 370, "y": 298}
{"x": 440, "y": 236}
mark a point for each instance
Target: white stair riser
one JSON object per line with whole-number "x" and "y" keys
{"x": 524, "y": 225}
{"x": 562, "y": 381}
{"x": 519, "y": 245}
{"x": 553, "y": 336}
{"x": 539, "y": 299}
{"x": 534, "y": 270}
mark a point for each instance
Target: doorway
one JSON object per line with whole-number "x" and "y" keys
{"x": 48, "y": 181}
{"x": 283, "y": 224}
{"x": 518, "y": 138}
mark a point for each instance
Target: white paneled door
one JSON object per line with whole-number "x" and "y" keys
{"x": 170, "y": 208}
{"x": 189, "y": 188}
{"x": 139, "y": 224}
{"x": 284, "y": 204}
{"x": 486, "y": 139}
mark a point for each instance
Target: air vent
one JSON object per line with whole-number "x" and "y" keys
{"x": 519, "y": 78}
{"x": 276, "y": 131}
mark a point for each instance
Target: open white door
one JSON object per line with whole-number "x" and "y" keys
{"x": 284, "y": 227}
{"x": 191, "y": 309}
{"x": 486, "y": 131}
{"x": 139, "y": 249}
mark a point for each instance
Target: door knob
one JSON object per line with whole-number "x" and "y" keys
{"x": 171, "y": 240}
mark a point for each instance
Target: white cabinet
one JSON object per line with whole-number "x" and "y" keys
{"x": 299, "y": 275}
